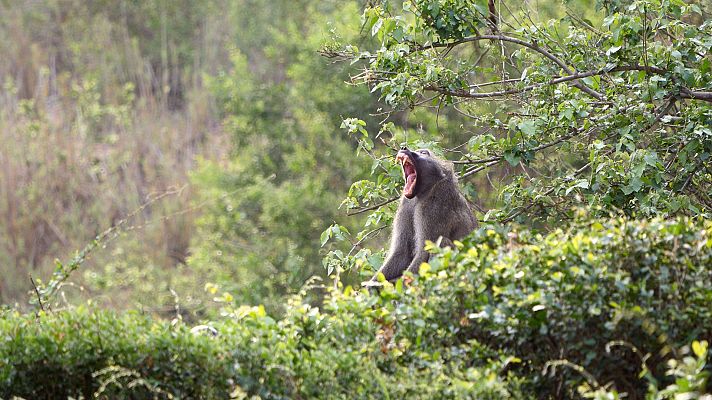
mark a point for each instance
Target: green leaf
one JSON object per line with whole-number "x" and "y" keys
{"x": 388, "y": 26}
{"x": 512, "y": 157}
{"x": 634, "y": 185}
{"x": 376, "y": 27}
{"x": 581, "y": 183}
{"x": 528, "y": 127}
{"x": 651, "y": 159}
{"x": 325, "y": 236}
{"x": 568, "y": 113}
{"x": 399, "y": 286}
{"x": 613, "y": 50}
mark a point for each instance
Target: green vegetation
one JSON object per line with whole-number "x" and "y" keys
{"x": 225, "y": 121}
{"x": 224, "y": 172}
{"x": 259, "y": 240}
{"x": 483, "y": 321}
{"x": 586, "y": 114}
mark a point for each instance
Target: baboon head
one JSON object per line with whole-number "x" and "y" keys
{"x": 422, "y": 170}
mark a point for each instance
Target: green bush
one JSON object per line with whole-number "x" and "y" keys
{"x": 306, "y": 355}
{"x": 570, "y": 296}
{"x": 615, "y": 299}
{"x": 80, "y": 352}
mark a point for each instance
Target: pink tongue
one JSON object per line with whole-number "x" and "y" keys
{"x": 409, "y": 183}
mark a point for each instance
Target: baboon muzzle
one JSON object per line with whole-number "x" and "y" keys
{"x": 406, "y": 160}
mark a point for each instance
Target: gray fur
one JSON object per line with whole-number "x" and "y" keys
{"x": 438, "y": 210}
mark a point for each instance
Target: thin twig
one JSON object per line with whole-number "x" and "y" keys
{"x": 569, "y": 78}
{"x": 479, "y": 85}
{"x": 526, "y": 44}
{"x": 663, "y": 112}
{"x": 365, "y": 237}
{"x": 39, "y": 297}
{"x": 548, "y": 192}
{"x": 480, "y": 168}
{"x": 689, "y": 178}
{"x": 62, "y": 274}
{"x": 496, "y": 159}
{"x": 583, "y": 23}
{"x": 373, "y": 207}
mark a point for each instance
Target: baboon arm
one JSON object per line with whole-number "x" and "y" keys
{"x": 445, "y": 242}
{"x": 421, "y": 256}
{"x": 400, "y": 252}
{"x": 396, "y": 262}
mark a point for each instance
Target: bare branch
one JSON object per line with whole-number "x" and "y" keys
{"x": 379, "y": 205}
{"x": 481, "y": 167}
{"x": 365, "y": 237}
{"x": 39, "y": 296}
{"x": 696, "y": 95}
{"x": 488, "y": 162}
{"x": 492, "y": 15}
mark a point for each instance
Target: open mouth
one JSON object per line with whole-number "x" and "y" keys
{"x": 409, "y": 173}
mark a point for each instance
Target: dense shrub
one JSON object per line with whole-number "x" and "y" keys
{"x": 483, "y": 321}
{"x": 306, "y": 355}
{"x": 570, "y": 295}
{"x": 82, "y": 352}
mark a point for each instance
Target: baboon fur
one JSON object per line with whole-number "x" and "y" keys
{"x": 431, "y": 208}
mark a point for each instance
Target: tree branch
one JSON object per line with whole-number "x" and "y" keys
{"x": 492, "y": 15}
{"x": 488, "y": 162}
{"x": 39, "y": 296}
{"x": 556, "y": 81}
{"x": 696, "y": 95}
{"x": 381, "y": 204}
{"x": 526, "y": 44}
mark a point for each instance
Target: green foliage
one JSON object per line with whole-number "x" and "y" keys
{"x": 605, "y": 113}
{"x": 483, "y": 320}
{"x": 80, "y": 353}
{"x": 119, "y": 102}
{"x": 568, "y": 294}
{"x": 689, "y": 371}
{"x": 307, "y": 354}
{"x": 605, "y": 109}
{"x": 288, "y": 164}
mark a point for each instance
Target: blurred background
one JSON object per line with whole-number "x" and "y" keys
{"x": 106, "y": 105}
{"x": 205, "y": 131}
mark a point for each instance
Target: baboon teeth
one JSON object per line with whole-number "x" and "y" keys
{"x": 402, "y": 159}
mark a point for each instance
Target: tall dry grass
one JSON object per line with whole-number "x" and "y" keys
{"x": 92, "y": 125}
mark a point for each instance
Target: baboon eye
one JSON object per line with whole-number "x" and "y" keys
{"x": 425, "y": 152}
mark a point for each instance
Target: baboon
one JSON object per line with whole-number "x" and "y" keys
{"x": 431, "y": 208}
